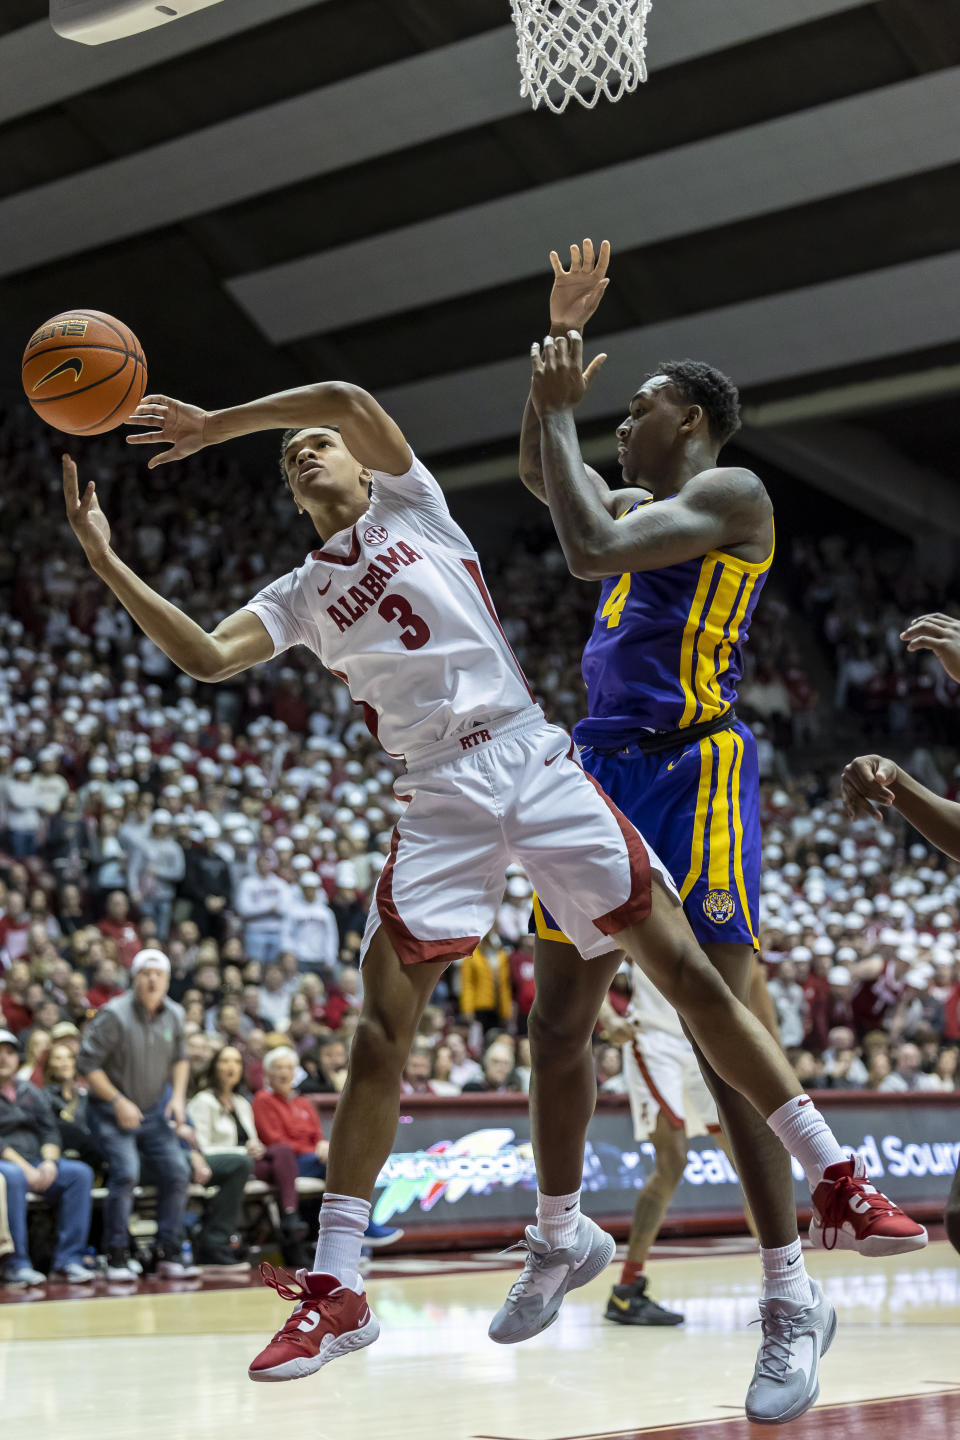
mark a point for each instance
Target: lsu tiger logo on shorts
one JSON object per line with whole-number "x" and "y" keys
{"x": 718, "y": 906}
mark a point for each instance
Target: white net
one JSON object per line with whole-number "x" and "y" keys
{"x": 580, "y": 49}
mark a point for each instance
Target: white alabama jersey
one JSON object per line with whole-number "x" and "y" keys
{"x": 397, "y": 607}
{"x": 648, "y": 1009}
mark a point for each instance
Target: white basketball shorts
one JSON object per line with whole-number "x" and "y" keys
{"x": 510, "y": 792}
{"x": 663, "y": 1077}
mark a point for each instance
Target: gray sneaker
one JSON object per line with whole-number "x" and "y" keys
{"x": 785, "y": 1380}
{"x": 536, "y": 1295}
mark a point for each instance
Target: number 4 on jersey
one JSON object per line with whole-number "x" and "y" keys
{"x": 616, "y": 600}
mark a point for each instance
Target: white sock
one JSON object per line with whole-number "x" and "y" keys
{"x": 802, "y": 1131}
{"x": 784, "y": 1274}
{"x": 343, "y": 1219}
{"x": 558, "y": 1217}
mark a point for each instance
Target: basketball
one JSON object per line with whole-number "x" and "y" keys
{"x": 84, "y": 372}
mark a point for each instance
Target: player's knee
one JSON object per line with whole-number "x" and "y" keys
{"x": 693, "y": 986}
{"x": 672, "y": 1157}
{"x": 378, "y": 1048}
{"x": 555, "y": 1037}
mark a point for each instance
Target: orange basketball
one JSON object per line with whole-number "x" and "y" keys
{"x": 84, "y": 372}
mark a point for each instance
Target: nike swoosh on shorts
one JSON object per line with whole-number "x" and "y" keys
{"x": 554, "y": 757}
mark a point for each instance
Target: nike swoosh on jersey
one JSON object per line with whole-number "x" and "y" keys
{"x": 75, "y": 364}
{"x": 678, "y": 759}
{"x": 322, "y": 589}
{"x": 554, "y": 757}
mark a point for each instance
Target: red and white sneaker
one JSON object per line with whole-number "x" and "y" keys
{"x": 850, "y": 1214}
{"x": 328, "y": 1321}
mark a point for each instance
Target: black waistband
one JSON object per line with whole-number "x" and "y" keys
{"x": 657, "y": 741}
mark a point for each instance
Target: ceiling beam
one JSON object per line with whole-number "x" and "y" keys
{"x": 814, "y": 329}
{"x": 798, "y": 159}
{"x": 380, "y": 112}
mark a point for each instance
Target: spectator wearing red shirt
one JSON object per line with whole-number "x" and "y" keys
{"x": 17, "y": 1014}
{"x": 522, "y": 982}
{"x": 285, "y": 1118}
{"x": 117, "y": 926}
{"x": 14, "y": 928}
{"x": 104, "y": 985}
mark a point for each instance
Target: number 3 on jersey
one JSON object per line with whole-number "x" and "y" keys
{"x": 616, "y": 600}
{"x": 415, "y": 632}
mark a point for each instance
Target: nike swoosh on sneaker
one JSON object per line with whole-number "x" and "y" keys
{"x": 555, "y": 757}
{"x": 623, "y": 1305}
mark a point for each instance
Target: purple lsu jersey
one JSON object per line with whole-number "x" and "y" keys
{"x": 666, "y": 647}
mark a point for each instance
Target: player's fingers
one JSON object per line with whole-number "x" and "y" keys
{"x": 154, "y": 415}
{"x": 588, "y": 254}
{"x": 156, "y": 400}
{"x": 575, "y": 347}
{"x": 70, "y": 493}
{"x": 536, "y": 364}
{"x": 557, "y": 263}
{"x": 146, "y": 437}
{"x": 603, "y": 259}
{"x": 926, "y": 642}
{"x": 596, "y": 364}
{"x": 924, "y": 622}
{"x": 575, "y": 261}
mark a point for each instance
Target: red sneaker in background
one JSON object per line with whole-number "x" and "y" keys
{"x": 328, "y": 1321}
{"x": 850, "y": 1214}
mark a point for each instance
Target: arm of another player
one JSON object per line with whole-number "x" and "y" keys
{"x": 871, "y": 783}
{"x": 368, "y": 431}
{"x": 718, "y": 508}
{"x": 239, "y": 642}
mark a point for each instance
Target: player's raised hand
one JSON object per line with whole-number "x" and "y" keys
{"x": 866, "y": 786}
{"x": 558, "y": 380}
{"x": 578, "y": 291}
{"x": 172, "y": 423}
{"x": 939, "y": 633}
{"x": 87, "y": 520}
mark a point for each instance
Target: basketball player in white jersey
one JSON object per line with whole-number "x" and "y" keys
{"x": 393, "y": 601}
{"x": 669, "y": 1104}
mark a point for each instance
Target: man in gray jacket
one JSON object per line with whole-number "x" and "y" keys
{"x": 134, "y": 1059}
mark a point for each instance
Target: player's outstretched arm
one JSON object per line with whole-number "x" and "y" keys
{"x": 872, "y": 784}
{"x": 574, "y": 299}
{"x": 239, "y": 641}
{"x": 368, "y": 431}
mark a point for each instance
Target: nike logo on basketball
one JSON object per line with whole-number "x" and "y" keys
{"x": 322, "y": 589}
{"x": 554, "y": 757}
{"x": 76, "y": 365}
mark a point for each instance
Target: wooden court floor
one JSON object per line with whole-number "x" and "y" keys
{"x": 173, "y": 1364}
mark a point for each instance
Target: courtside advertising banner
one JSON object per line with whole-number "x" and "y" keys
{"x": 462, "y": 1165}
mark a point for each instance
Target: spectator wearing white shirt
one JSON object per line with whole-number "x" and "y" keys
{"x": 310, "y": 927}
{"x": 156, "y": 870}
{"x": 262, "y": 901}
{"x": 907, "y": 1074}
{"x": 790, "y": 1002}
{"x": 50, "y": 786}
{"x": 23, "y": 809}
{"x": 274, "y": 1002}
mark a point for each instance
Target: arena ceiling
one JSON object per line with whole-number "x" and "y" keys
{"x": 276, "y": 191}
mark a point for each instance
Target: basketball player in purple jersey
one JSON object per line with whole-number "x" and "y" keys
{"x": 682, "y": 552}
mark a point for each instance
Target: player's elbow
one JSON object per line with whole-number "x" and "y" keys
{"x": 586, "y": 563}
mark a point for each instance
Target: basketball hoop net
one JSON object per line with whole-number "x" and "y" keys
{"x": 580, "y": 48}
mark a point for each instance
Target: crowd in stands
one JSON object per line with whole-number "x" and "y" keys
{"x": 239, "y": 830}
{"x": 858, "y": 597}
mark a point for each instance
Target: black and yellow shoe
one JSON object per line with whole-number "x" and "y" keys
{"x": 631, "y": 1305}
